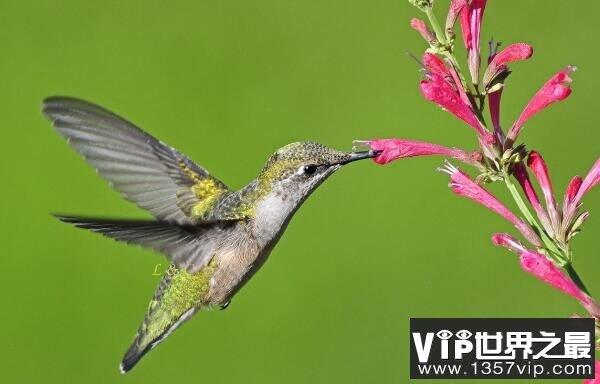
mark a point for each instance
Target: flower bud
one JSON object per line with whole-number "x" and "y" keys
{"x": 423, "y": 5}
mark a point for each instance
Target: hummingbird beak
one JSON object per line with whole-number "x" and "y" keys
{"x": 359, "y": 155}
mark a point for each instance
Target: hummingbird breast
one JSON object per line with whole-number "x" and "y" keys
{"x": 249, "y": 246}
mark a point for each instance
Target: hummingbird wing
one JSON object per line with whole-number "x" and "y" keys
{"x": 143, "y": 169}
{"x": 190, "y": 248}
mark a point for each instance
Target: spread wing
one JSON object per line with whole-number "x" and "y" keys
{"x": 143, "y": 169}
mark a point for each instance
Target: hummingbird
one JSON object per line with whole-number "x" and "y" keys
{"x": 214, "y": 238}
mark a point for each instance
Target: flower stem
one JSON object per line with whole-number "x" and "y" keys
{"x": 441, "y": 36}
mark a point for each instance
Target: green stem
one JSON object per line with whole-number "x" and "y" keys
{"x": 441, "y": 36}
{"x": 548, "y": 242}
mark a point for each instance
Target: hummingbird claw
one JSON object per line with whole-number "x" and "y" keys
{"x": 224, "y": 306}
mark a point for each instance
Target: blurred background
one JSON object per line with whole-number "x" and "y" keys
{"x": 228, "y": 82}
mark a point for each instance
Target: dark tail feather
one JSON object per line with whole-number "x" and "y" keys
{"x": 160, "y": 236}
{"x": 116, "y": 228}
{"x": 133, "y": 356}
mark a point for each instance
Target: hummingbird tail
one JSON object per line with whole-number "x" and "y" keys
{"x": 131, "y": 358}
{"x": 143, "y": 343}
{"x": 160, "y": 321}
{"x": 180, "y": 293}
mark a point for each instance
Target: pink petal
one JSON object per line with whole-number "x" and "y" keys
{"x": 393, "y": 149}
{"x": 494, "y": 103}
{"x": 470, "y": 21}
{"x": 465, "y": 26}
{"x": 596, "y": 379}
{"x": 512, "y": 53}
{"x": 538, "y": 166}
{"x": 572, "y": 190}
{"x": 462, "y": 185}
{"x": 455, "y": 7}
{"x": 545, "y": 270}
{"x": 434, "y": 64}
{"x": 437, "y": 89}
{"x": 541, "y": 267}
{"x": 507, "y": 241}
{"x": 459, "y": 86}
{"x": 556, "y": 89}
{"x": 420, "y": 26}
{"x": 591, "y": 180}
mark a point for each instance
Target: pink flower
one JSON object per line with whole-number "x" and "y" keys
{"x": 596, "y": 379}
{"x": 393, "y": 149}
{"x": 497, "y": 69}
{"x": 591, "y": 180}
{"x": 520, "y": 173}
{"x": 434, "y": 64}
{"x": 462, "y": 185}
{"x": 572, "y": 190}
{"x": 438, "y": 89}
{"x": 455, "y": 7}
{"x": 538, "y": 166}
{"x": 512, "y": 53}
{"x": 470, "y": 23}
{"x": 443, "y": 87}
{"x": 539, "y": 266}
{"x": 494, "y": 103}
{"x": 571, "y": 205}
{"x": 507, "y": 241}
{"x": 556, "y": 89}
{"x": 420, "y": 26}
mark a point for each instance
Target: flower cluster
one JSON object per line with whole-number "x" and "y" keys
{"x": 548, "y": 225}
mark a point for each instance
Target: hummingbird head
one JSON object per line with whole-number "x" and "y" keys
{"x": 289, "y": 177}
{"x": 298, "y": 168}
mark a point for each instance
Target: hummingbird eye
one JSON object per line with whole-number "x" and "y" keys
{"x": 310, "y": 169}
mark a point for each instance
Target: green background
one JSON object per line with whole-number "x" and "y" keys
{"x": 228, "y": 82}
